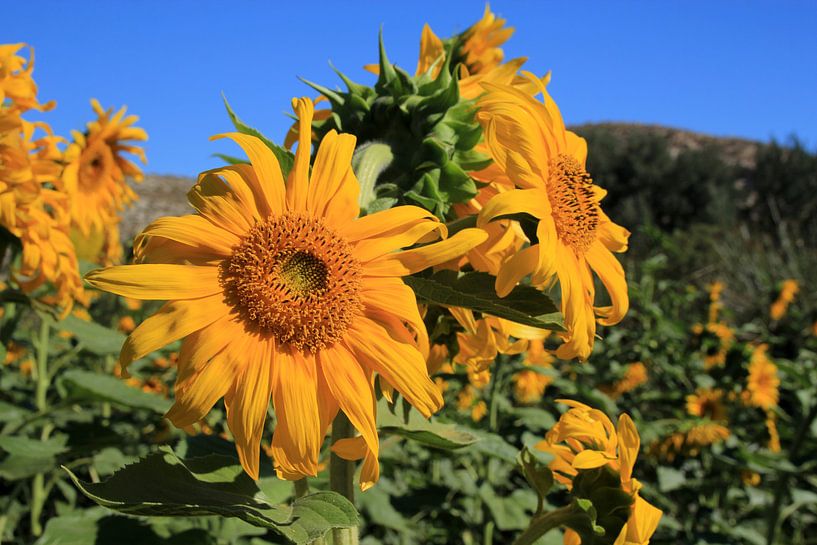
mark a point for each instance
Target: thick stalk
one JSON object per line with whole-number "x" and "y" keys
{"x": 301, "y": 488}
{"x": 545, "y": 523}
{"x": 369, "y": 162}
{"x": 341, "y": 477}
{"x": 783, "y": 479}
{"x": 38, "y": 493}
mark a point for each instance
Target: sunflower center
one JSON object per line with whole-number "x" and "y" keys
{"x": 573, "y": 202}
{"x": 294, "y": 278}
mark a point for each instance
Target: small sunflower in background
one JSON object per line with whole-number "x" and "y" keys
{"x": 95, "y": 178}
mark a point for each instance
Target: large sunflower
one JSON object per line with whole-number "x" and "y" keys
{"x": 281, "y": 291}
{"x": 95, "y": 177}
{"x": 528, "y": 142}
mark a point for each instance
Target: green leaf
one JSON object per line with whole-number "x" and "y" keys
{"x": 426, "y": 432}
{"x": 93, "y": 386}
{"x": 537, "y": 473}
{"x": 285, "y": 158}
{"x": 670, "y": 479}
{"x": 93, "y": 337}
{"x": 163, "y": 485}
{"x": 511, "y": 512}
{"x": 475, "y": 290}
{"x": 27, "y": 457}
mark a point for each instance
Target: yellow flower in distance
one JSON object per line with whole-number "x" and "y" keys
{"x": 788, "y": 290}
{"x": 763, "y": 384}
{"x": 529, "y": 385}
{"x": 529, "y": 143}
{"x": 96, "y": 172}
{"x": 280, "y": 291}
{"x": 585, "y": 439}
{"x": 706, "y": 403}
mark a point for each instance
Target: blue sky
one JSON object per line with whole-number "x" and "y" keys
{"x": 727, "y": 68}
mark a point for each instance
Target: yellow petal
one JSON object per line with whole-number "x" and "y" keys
{"x": 386, "y": 223}
{"x": 613, "y": 236}
{"x": 590, "y": 459}
{"x": 411, "y": 261}
{"x": 401, "y": 364}
{"x": 353, "y": 391}
{"x": 333, "y": 187}
{"x": 529, "y": 201}
{"x": 214, "y": 200}
{"x": 353, "y": 448}
{"x": 577, "y": 306}
{"x": 161, "y": 282}
{"x": 198, "y": 390}
{"x": 176, "y": 319}
{"x": 298, "y": 180}
{"x": 247, "y": 403}
{"x": 643, "y": 522}
{"x": 297, "y": 438}
{"x": 629, "y": 444}
{"x": 372, "y": 248}
{"x": 515, "y": 269}
{"x": 270, "y": 192}
{"x": 391, "y": 297}
{"x": 191, "y": 230}
{"x": 611, "y": 273}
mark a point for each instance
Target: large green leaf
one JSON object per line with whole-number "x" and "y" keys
{"x": 427, "y": 432}
{"x": 81, "y": 384}
{"x": 164, "y": 485}
{"x": 93, "y": 337}
{"x": 475, "y": 291}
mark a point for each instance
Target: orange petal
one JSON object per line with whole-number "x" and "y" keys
{"x": 159, "y": 282}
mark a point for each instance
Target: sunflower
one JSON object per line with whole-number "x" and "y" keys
{"x": 706, "y": 403}
{"x": 280, "y": 291}
{"x": 95, "y": 178}
{"x": 529, "y": 385}
{"x": 763, "y": 384}
{"x": 480, "y": 51}
{"x": 528, "y": 141}
{"x": 16, "y": 81}
{"x": 36, "y": 213}
{"x": 635, "y": 375}
{"x": 788, "y": 290}
{"x": 585, "y": 439}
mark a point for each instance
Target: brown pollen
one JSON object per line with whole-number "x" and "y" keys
{"x": 294, "y": 278}
{"x": 573, "y": 202}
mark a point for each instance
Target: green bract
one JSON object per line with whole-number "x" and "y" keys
{"x": 429, "y": 128}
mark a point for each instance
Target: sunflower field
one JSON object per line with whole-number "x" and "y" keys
{"x": 433, "y": 312}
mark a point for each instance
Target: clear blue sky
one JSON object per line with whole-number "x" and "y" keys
{"x": 744, "y": 68}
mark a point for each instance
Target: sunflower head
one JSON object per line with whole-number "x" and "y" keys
{"x": 280, "y": 292}
{"x": 425, "y": 113}
{"x": 763, "y": 384}
{"x": 595, "y": 460}
{"x": 97, "y": 167}
{"x": 558, "y": 208}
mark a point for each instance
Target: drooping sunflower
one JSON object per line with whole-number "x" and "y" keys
{"x": 280, "y": 291}
{"x": 35, "y": 213}
{"x": 584, "y": 439}
{"x": 95, "y": 177}
{"x": 528, "y": 141}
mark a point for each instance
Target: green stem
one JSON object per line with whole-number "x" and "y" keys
{"x": 783, "y": 479}
{"x": 38, "y": 491}
{"x": 301, "y": 488}
{"x": 493, "y": 406}
{"x": 542, "y": 524}
{"x": 341, "y": 477}
{"x": 369, "y": 162}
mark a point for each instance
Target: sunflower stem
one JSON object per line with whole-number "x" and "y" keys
{"x": 369, "y": 162}
{"x": 341, "y": 472}
{"x": 301, "y": 488}
{"x": 38, "y": 491}
{"x": 341, "y": 477}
